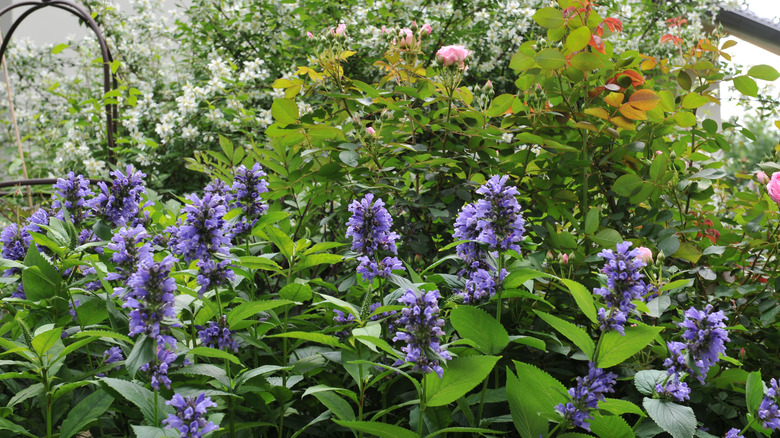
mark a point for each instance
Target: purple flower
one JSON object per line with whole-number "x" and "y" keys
{"x": 72, "y": 306}
{"x": 248, "y": 185}
{"x": 72, "y": 194}
{"x": 113, "y": 354}
{"x": 159, "y": 367}
{"x": 586, "y": 395}
{"x": 734, "y": 433}
{"x": 212, "y": 273}
{"x": 149, "y": 294}
{"x": 127, "y": 252}
{"x": 421, "y": 331}
{"x": 624, "y": 284}
{"x": 705, "y": 336}
{"x": 203, "y": 232}
{"x": 673, "y": 387}
{"x": 768, "y": 409}
{"x": 218, "y": 335}
{"x": 370, "y": 225}
{"x": 189, "y": 418}
{"x": 40, "y": 217}
{"x": 15, "y": 244}
{"x": 119, "y": 204}
{"x": 369, "y": 268}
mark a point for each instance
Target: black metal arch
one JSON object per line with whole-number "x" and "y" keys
{"x": 109, "y": 79}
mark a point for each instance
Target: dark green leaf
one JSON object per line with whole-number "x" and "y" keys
{"x": 576, "y": 335}
{"x": 678, "y": 420}
{"x": 460, "y": 376}
{"x": 473, "y": 323}
{"x": 86, "y": 411}
{"x": 382, "y": 430}
{"x": 141, "y": 397}
{"x": 614, "y": 348}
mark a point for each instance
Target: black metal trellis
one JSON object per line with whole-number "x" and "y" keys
{"x": 109, "y": 79}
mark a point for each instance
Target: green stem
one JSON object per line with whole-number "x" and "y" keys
{"x": 47, "y": 389}
{"x": 422, "y": 409}
{"x": 482, "y": 402}
{"x": 156, "y": 392}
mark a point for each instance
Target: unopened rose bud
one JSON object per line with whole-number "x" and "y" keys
{"x": 645, "y": 254}
{"x": 565, "y": 259}
{"x": 762, "y": 178}
{"x": 488, "y": 85}
{"x": 370, "y": 131}
{"x": 309, "y": 34}
{"x": 427, "y": 29}
{"x": 339, "y": 31}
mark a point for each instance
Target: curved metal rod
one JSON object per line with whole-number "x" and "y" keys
{"x": 42, "y": 182}
{"x": 109, "y": 79}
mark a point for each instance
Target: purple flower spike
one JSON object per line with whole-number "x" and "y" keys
{"x": 125, "y": 242}
{"x": 734, "y": 433}
{"x": 585, "y": 396}
{"x": 119, "y": 204}
{"x": 150, "y": 296}
{"x": 213, "y": 273}
{"x": 72, "y": 193}
{"x": 159, "y": 367}
{"x": 248, "y": 185}
{"x": 203, "y": 232}
{"x": 624, "y": 284}
{"x": 421, "y": 331}
{"x": 189, "y": 418}
{"x": 218, "y": 335}
{"x": 768, "y": 409}
{"x": 369, "y": 228}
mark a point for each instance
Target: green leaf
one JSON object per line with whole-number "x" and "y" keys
{"x": 628, "y": 185}
{"x": 207, "y": 370}
{"x": 460, "y": 376}
{"x": 226, "y": 145}
{"x": 607, "y": 238}
{"x": 382, "y": 430}
{"x": 103, "y": 334}
{"x": 764, "y": 72}
{"x": 582, "y": 297}
{"x": 684, "y": 119}
{"x": 41, "y": 280}
{"x": 313, "y": 337}
{"x": 85, "y": 412}
{"x": 746, "y": 85}
{"x": 284, "y": 111}
{"x": 15, "y": 428}
{"x": 531, "y": 414}
{"x": 678, "y": 420}
{"x": 586, "y": 61}
{"x": 500, "y": 105}
{"x": 215, "y": 353}
{"x": 754, "y": 392}
{"x": 142, "y": 352}
{"x": 336, "y": 404}
{"x": 141, "y": 397}
{"x": 592, "y": 221}
{"x": 620, "y": 407}
{"x": 296, "y": 292}
{"x": 318, "y": 259}
{"x": 614, "y": 348}
{"x": 550, "y": 59}
{"x": 282, "y": 241}
{"x": 473, "y": 323}
{"x": 44, "y": 341}
{"x": 688, "y": 251}
{"x": 694, "y": 100}
{"x": 576, "y": 335}
{"x": 646, "y": 380}
{"x": 59, "y": 48}
{"x": 246, "y": 310}
{"x": 254, "y": 262}
{"x": 550, "y": 18}
{"x": 610, "y": 426}
{"x": 154, "y": 432}
{"x": 460, "y": 429}
{"x": 578, "y": 39}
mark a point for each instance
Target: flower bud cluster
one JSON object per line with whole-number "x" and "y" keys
{"x": 624, "y": 284}
{"x": 586, "y": 396}
{"x": 369, "y": 226}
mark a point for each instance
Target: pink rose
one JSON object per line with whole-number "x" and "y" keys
{"x": 309, "y": 34}
{"x": 773, "y": 187}
{"x": 565, "y": 259}
{"x": 426, "y": 29}
{"x": 339, "y": 29}
{"x": 450, "y": 55}
{"x": 645, "y": 254}
{"x": 762, "y": 178}
{"x": 406, "y": 38}
{"x": 370, "y": 131}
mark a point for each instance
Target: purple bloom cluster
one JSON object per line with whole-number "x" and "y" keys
{"x": 125, "y": 242}
{"x": 72, "y": 194}
{"x": 705, "y": 339}
{"x": 119, "y": 204}
{"x": 421, "y": 331}
{"x": 218, "y": 335}
{"x": 768, "y": 410}
{"x": 493, "y": 223}
{"x": 248, "y": 185}
{"x": 734, "y": 433}
{"x": 149, "y": 294}
{"x": 212, "y": 273}
{"x": 112, "y": 355}
{"x": 369, "y": 228}
{"x": 203, "y": 232}
{"x": 159, "y": 367}
{"x": 586, "y": 396}
{"x": 189, "y": 418}
{"x": 624, "y": 284}
{"x": 15, "y": 244}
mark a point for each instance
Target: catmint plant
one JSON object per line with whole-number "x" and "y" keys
{"x": 421, "y": 329}
{"x": 149, "y": 294}
{"x": 768, "y": 410}
{"x": 72, "y": 194}
{"x": 624, "y": 284}
{"x": 189, "y": 419}
{"x": 218, "y": 335}
{"x": 369, "y": 228}
{"x": 586, "y": 396}
{"x": 120, "y": 203}
{"x": 127, "y": 252}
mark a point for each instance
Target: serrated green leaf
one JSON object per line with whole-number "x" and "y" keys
{"x": 678, "y": 420}
{"x": 610, "y": 426}
{"x": 500, "y": 104}
{"x": 578, "y": 39}
{"x": 460, "y": 376}
{"x": 141, "y": 397}
{"x": 646, "y": 380}
{"x": 550, "y": 59}
{"x": 86, "y": 411}
{"x": 284, "y": 111}
{"x": 576, "y": 335}
{"x": 614, "y": 348}
{"x": 473, "y": 323}
{"x": 382, "y": 430}
{"x": 246, "y": 310}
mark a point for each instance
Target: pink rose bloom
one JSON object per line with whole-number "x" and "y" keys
{"x": 426, "y": 29}
{"x": 773, "y": 187}
{"x": 339, "y": 29}
{"x": 450, "y": 55}
{"x": 565, "y": 259}
{"x": 762, "y": 178}
{"x": 309, "y": 34}
{"x": 645, "y": 254}
{"x": 370, "y": 131}
{"x": 406, "y": 38}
